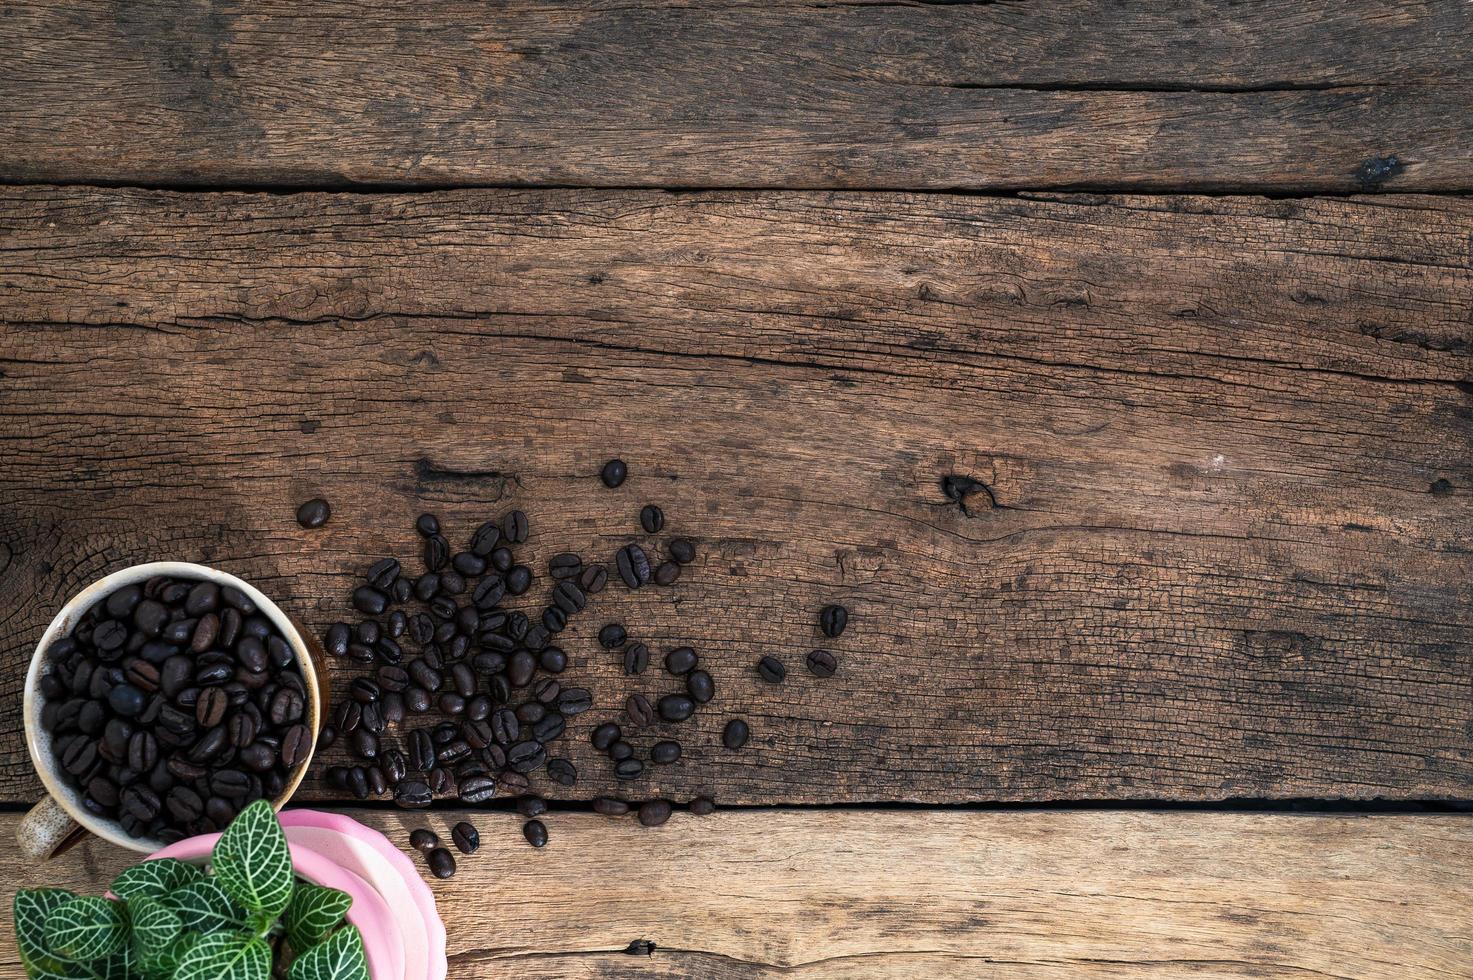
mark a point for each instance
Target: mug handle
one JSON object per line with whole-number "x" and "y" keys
{"x": 46, "y": 830}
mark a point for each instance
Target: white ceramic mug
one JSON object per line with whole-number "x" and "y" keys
{"x": 60, "y": 816}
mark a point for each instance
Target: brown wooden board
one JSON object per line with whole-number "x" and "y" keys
{"x": 999, "y": 896}
{"x": 1223, "y": 544}
{"x": 1282, "y": 95}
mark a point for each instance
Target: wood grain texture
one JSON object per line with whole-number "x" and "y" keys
{"x": 875, "y": 894}
{"x": 1281, "y": 95}
{"x": 1223, "y": 550}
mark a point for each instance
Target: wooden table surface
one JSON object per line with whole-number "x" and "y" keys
{"x": 1176, "y": 300}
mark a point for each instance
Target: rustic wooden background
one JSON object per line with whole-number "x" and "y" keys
{"x": 1186, "y": 288}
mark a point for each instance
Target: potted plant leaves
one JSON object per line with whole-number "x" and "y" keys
{"x": 247, "y": 916}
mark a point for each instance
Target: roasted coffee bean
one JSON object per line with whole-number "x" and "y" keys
{"x": 564, "y": 565}
{"x": 444, "y": 609}
{"x": 401, "y": 590}
{"x": 337, "y": 777}
{"x": 244, "y": 726}
{"x": 569, "y": 598}
{"x": 467, "y": 620}
{"x": 821, "y": 663}
{"x": 231, "y": 623}
{"x": 453, "y": 751}
{"x": 699, "y": 685}
{"x": 280, "y": 653}
{"x": 425, "y": 676}
{"x": 628, "y": 768}
{"x": 358, "y": 782}
{"x": 423, "y": 840}
{"x": 525, "y": 757}
{"x": 562, "y": 772}
{"x": 104, "y": 791}
{"x": 427, "y": 586}
{"x": 364, "y": 691}
{"x": 531, "y": 806}
{"x": 520, "y": 668}
{"x": 682, "y": 550}
{"x": 735, "y": 735}
{"x": 369, "y": 601}
{"x": 604, "y": 735}
{"x": 382, "y": 573}
{"x": 681, "y": 660}
{"x": 417, "y": 700}
{"x": 296, "y": 743}
{"x": 500, "y": 689}
{"x": 488, "y": 592}
{"x": 620, "y": 750}
{"x": 553, "y": 660}
{"x": 651, "y": 518}
{"x": 702, "y": 806}
{"x": 150, "y": 617}
{"x": 550, "y": 726}
{"x": 514, "y": 527}
{"x": 395, "y": 767}
{"x": 436, "y": 553}
{"x": 771, "y": 670}
{"x": 467, "y": 839}
{"x": 377, "y": 784}
{"x": 654, "y": 812}
{"x": 421, "y": 750}
{"x": 92, "y": 717}
{"x": 287, "y": 707}
{"x": 348, "y": 715}
{"x": 832, "y": 620}
{"x": 518, "y": 579}
{"x": 463, "y": 679}
{"x": 536, "y": 833}
{"x": 451, "y": 703}
{"x": 313, "y": 513}
{"x": 593, "y": 579}
{"x": 211, "y": 674}
{"x": 258, "y": 756}
{"x": 609, "y": 806}
{"x": 360, "y": 654}
{"x": 676, "y": 707}
{"x": 327, "y": 737}
{"x": 179, "y": 632}
{"x": 484, "y": 541}
{"x": 185, "y": 804}
{"x": 612, "y": 635}
{"x": 641, "y": 714}
{"x": 79, "y": 756}
{"x": 547, "y": 690}
{"x": 531, "y": 711}
{"x": 251, "y": 653}
{"x": 451, "y": 582}
{"x": 143, "y": 751}
{"x": 119, "y": 605}
{"x": 142, "y": 802}
{"x": 636, "y": 658}
{"x": 478, "y": 734}
{"x": 115, "y": 738}
{"x": 412, "y": 794}
{"x": 207, "y": 630}
{"x": 554, "y": 619}
{"x": 142, "y": 675}
{"x": 427, "y": 525}
{"x": 393, "y": 678}
{"x": 504, "y": 726}
{"x": 501, "y": 560}
{"x": 613, "y": 473}
{"x": 210, "y": 709}
{"x": 667, "y": 573}
{"x": 574, "y": 701}
{"x": 633, "y": 565}
{"x": 478, "y": 789}
{"x": 238, "y": 600}
{"x": 665, "y": 752}
{"x": 442, "y": 863}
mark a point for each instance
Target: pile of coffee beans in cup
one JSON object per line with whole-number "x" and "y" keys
{"x": 172, "y": 704}
{"x": 462, "y": 697}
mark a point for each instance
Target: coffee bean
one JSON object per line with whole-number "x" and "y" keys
{"x": 142, "y": 675}
{"x": 504, "y": 726}
{"x": 295, "y": 744}
{"x": 564, "y": 565}
{"x": 667, "y": 573}
{"x": 681, "y": 660}
{"x": 428, "y": 525}
{"x": 369, "y": 601}
{"x": 423, "y": 840}
{"x": 421, "y": 750}
{"x": 702, "y": 806}
{"x": 104, "y": 791}
{"x": 451, "y": 582}
{"x": 451, "y": 703}
{"x": 383, "y": 573}
{"x": 213, "y": 673}
{"x": 699, "y": 685}
{"x": 288, "y": 706}
{"x": 206, "y": 631}
{"x": 179, "y": 632}
{"x": 665, "y": 752}
{"x": 682, "y": 550}
{"x": 464, "y": 680}
{"x": 651, "y": 518}
{"x": 501, "y": 559}
{"x": 676, "y": 707}
{"x": 412, "y": 794}
{"x": 185, "y": 804}
{"x": 518, "y": 579}
{"x": 442, "y": 863}
{"x": 628, "y": 768}
{"x": 142, "y": 802}
{"x": 620, "y": 750}
{"x": 258, "y": 756}
{"x": 574, "y": 701}
{"x": 466, "y": 838}
{"x": 641, "y": 715}
{"x": 488, "y": 592}
{"x": 554, "y": 619}
{"x": 609, "y": 806}
{"x": 536, "y": 833}
{"x": 436, "y": 553}
{"x": 531, "y": 806}
{"x": 549, "y": 727}
{"x": 143, "y": 751}
{"x": 237, "y": 600}
{"x": 547, "y": 690}
{"x": 633, "y": 565}
{"x": 251, "y": 653}
{"x": 119, "y": 605}
{"x": 735, "y": 735}
{"x": 613, "y": 473}
{"x": 822, "y": 663}
{"x": 611, "y": 636}
{"x": 210, "y": 709}
{"x": 442, "y": 782}
{"x": 358, "y": 782}
{"x": 562, "y": 772}
{"x": 832, "y": 620}
{"x": 771, "y": 670}
{"x": 605, "y": 735}
{"x": 636, "y": 658}
{"x": 313, "y": 513}
{"x": 654, "y": 813}
{"x": 525, "y": 757}
{"x": 484, "y": 541}
{"x": 231, "y": 622}
{"x": 479, "y": 789}
{"x": 92, "y": 717}
{"x": 150, "y": 616}
{"x": 126, "y": 700}
{"x": 594, "y": 579}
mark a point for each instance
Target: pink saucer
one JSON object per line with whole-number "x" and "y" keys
{"x": 382, "y": 940}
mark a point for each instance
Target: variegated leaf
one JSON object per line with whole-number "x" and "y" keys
{"x": 252, "y": 862}
{"x": 314, "y": 912}
{"x": 338, "y": 957}
{"x": 87, "y": 929}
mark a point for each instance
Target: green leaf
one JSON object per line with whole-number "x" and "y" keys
{"x": 31, "y": 908}
{"x": 205, "y": 907}
{"x": 339, "y": 957}
{"x": 226, "y": 956}
{"x": 86, "y": 929}
{"x": 155, "y": 925}
{"x": 252, "y": 862}
{"x": 155, "y": 879}
{"x": 160, "y": 964}
{"x": 314, "y": 912}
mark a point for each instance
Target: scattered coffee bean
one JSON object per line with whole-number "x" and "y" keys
{"x": 735, "y": 735}
{"x": 676, "y": 707}
{"x": 609, "y": 806}
{"x": 651, "y": 518}
{"x": 771, "y": 670}
{"x": 536, "y": 833}
{"x": 480, "y": 789}
{"x": 633, "y": 565}
{"x": 641, "y": 714}
{"x": 613, "y": 473}
{"x": 667, "y": 573}
{"x": 681, "y": 660}
{"x": 428, "y": 525}
{"x": 604, "y": 735}
{"x": 832, "y": 620}
{"x": 369, "y": 600}
{"x": 702, "y": 806}
{"x": 682, "y": 550}
{"x": 594, "y": 579}
{"x": 314, "y": 513}
{"x": 665, "y": 752}
{"x": 821, "y": 663}
{"x": 699, "y": 685}
{"x": 424, "y": 840}
{"x": 531, "y": 806}
{"x": 562, "y": 772}
{"x": 413, "y": 794}
{"x": 628, "y": 768}
{"x": 612, "y": 635}
{"x": 467, "y": 839}
{"x": 636, "y": 658}
{"x": 442, "y": 863}
{"x": 515, "y": 527}
{"x": 654, "y": 812}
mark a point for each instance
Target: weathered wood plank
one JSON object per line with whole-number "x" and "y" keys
{"x": 1227, "y": 439}
{"x": 867, "y": 894}
{"x": 1280, "y": 95}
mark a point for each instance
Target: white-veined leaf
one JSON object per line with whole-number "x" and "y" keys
{"x": 155, "y": 879}
{"x": 252, "y": 862}
{"x": 313, "y": 912}
{"x": 226, "y": 956}
{"x": 338, "y": 957}
{"x": 204, "y": 906}
{"x": 86, "y": 929}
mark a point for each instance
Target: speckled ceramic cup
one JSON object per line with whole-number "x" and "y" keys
{"x": 60, "y": 817}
